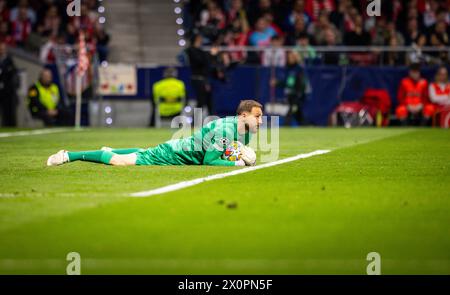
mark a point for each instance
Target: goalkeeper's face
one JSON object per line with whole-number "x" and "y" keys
{"x": 253, "y": 119}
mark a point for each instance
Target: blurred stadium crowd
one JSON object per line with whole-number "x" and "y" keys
{"x": 43, "y": 29}
{"x": 39, "y": 26}
{"x": 292, "y": 34}
{"x": 307, "y": 23}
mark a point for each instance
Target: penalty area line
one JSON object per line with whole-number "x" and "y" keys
{"x": 36, "y": 132}
{"x": 189, "y": 183}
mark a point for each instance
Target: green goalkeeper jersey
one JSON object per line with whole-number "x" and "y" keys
{"x": 204, "y": 147}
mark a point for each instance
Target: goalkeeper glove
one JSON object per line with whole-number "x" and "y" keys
{"x": 248, "y": 155}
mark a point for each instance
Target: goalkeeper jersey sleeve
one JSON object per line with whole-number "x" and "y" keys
{"x": 214, "y": 159}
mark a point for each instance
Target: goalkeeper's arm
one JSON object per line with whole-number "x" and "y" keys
{"x": 213, "y": 158}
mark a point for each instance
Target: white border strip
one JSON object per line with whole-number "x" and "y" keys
{"x": 36, "y": 132}
{"x": 188, "y": 183}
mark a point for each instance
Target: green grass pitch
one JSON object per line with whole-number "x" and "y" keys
{"x": 381, "y": 190}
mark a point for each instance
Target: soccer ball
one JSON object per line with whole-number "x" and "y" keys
{"x": 233, "y": 151}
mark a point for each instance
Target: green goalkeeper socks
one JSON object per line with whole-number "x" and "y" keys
{"x": 91, "y": 156}
{"x": 99, "y": 156}
{"x": 125, "y": 151}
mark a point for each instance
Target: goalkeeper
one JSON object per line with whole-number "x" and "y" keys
{"x": 204, "y": 147}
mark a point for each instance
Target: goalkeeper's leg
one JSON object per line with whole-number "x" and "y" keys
{"x": 100, "y": 156}
{"x": 122, "y": 151}
{"x": 123, "y": 160}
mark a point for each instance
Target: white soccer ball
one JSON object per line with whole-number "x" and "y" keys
{"x": 233, "y": 151}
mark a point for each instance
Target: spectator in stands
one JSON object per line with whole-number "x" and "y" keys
{"x": 92, "y": 11}
{"x": 71, "y": 34}
{"x": 341, "y": 16}
{"x": 350, "y": 15}
{"x": 48, "y": 53}
{"x": 304, "y": 50}
{"x": 45, "y": 102}
{"x": 384, "y": 32}
{"x": 9, "y": 82}
{"x": 299, "y": 29}
{"x": 24, "y": 6}
{"x": 440, "y": 38}
{"x": 263, "y": 33}
{"x": 50, "y": 24}
{"x": 403, "y": 14}
{"x": 393, "y": 58}
{"x": 318, "y": 29}
{"x": 430, "y": 14}
{"x": 275, "y": 55}
{"x": 330, "y": 58}
{"x": 44, "y": 6}
{"x": 357, "y": 37}
{"x": 213, "y": 15}
{"x": 169, "y": 95}
{"x": 442, "y": 15}
{"x": 5, "y": 34}
{"x": 212, "y": 21}
{"x": 86, "y": 21}
{"x": 255, "y": 13}
{"x": 237, "y": 11}
{"x": 102, "y": 41}
{"x": 271, "y": 21}
{"x": 413, "y": 33}
{"x": 412, "y": 98}
{"x": 418, "y": 55}
{"x": 379, "y": 32}
{"x": 439, "y": 91}
{"x": 21, "y": 27}
{"x": 392, "y": 32}
{"x": 4, "y": 11}
{"x": 298, "y": 12}
{"x": 237, "y": 35}
{"x": 316, "y": 7}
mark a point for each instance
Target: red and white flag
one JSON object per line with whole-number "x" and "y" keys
{"x": 83, "y": 59}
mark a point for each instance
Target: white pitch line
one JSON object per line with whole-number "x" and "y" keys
{"x": 36, "y": 132}
{"x": 188, "y": 183}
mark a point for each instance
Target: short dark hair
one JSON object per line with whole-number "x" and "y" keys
{"x": 415, "y": 67}
{"x": 247, "y": 106}
{"x": 302, "y": 35}
{"x": 170, "y": 72}
{"x": 275, "y": 38}
{"x": 441, "y": 10}
{"x": 194, "y": 36}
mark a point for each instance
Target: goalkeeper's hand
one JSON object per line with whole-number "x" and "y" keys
{"x": 239, "y": 163}
{"x": 249, "y": 156}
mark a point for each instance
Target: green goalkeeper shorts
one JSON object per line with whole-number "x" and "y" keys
{"x": 159, "y": 155}
{"x": 149, "y": 156}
